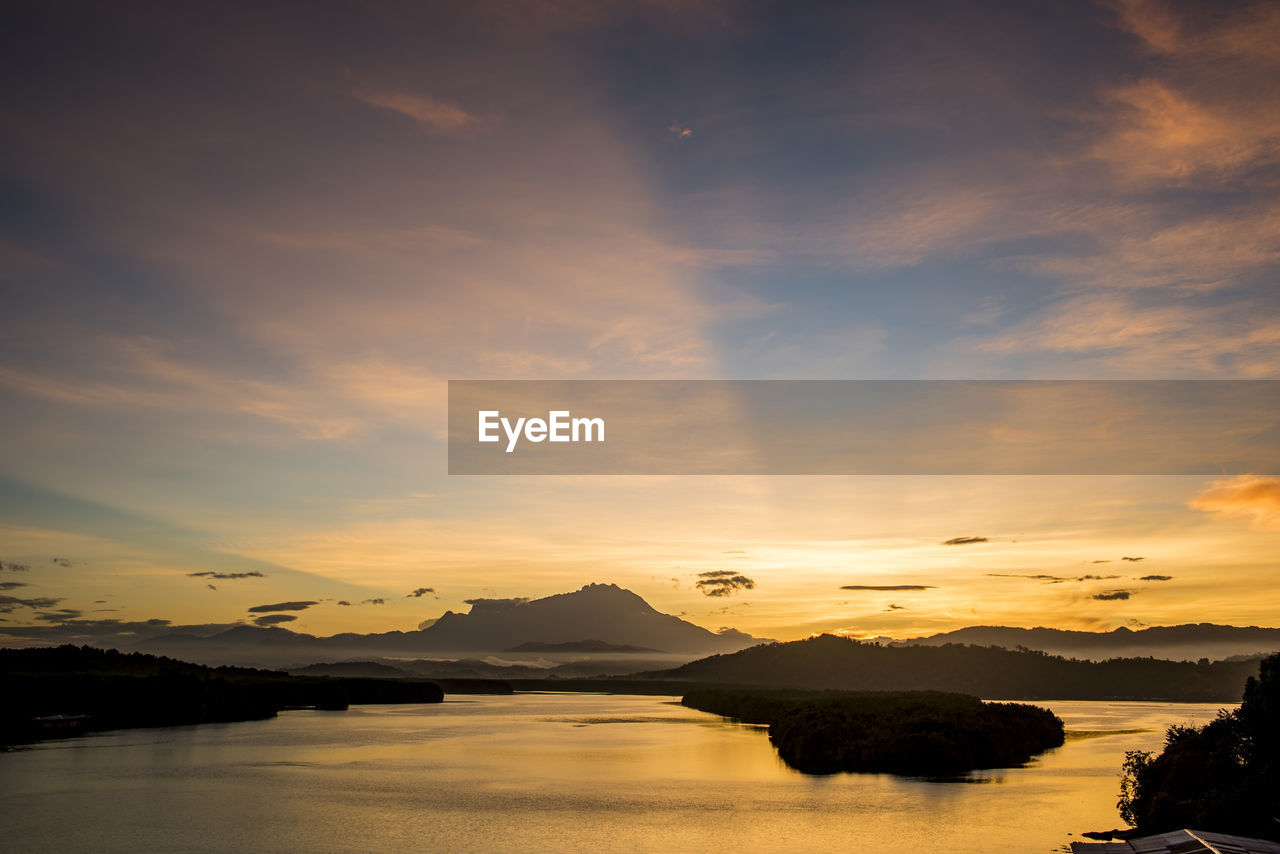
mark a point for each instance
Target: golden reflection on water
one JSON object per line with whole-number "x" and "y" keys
{"x": 546, "y": 772}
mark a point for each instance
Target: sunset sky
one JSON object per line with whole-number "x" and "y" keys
{"x": 243, "y": 248}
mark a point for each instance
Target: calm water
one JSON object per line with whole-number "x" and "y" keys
{"x": 542, "y": 772}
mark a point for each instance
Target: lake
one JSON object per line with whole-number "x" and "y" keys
{"x": 544, "y": 772}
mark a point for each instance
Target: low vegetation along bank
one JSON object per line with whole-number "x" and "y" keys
{"x": 69, "y": 689}
{"x": 914, "y": 732}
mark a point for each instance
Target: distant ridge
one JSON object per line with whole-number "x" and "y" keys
{"x": 1188, "y": 642}
{"x": 830, "y": 662}
{"x": 371, "y": 669}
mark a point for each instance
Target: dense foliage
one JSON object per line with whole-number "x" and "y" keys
{"x": 919, "y": 732}
{"x": 830, "y": 662}
{"x": 116, "y": 690}
{"x": 1224, "y": 776}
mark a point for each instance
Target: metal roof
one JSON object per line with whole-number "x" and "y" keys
{"x": 1181, "y": 842}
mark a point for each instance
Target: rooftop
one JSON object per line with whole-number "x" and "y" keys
{"x": 1181, "y": 842}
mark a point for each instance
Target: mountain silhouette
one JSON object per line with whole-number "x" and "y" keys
{"x": 605, "y": 612}
{"x": 1184, "y": 642}
{"x": 609, "y": 615}
{"x": 830, "y": 662}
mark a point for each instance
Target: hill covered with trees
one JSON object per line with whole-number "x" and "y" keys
{"x": 912, "y": 732}
{"x": 837, "y": 663}
{"x": 67, "y": 689}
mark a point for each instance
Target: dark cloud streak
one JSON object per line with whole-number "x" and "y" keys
{"x": 9, "y": 604}
{"x": 888, "y": 587}
{"x": 226, "y": 576}
{"x": 722, "y": 582}
{"x": 1053, "y": 579}
{"x": 62, "y": 615}
{"x": 111, "y": 632}
{"x": 283, "y": 606}
{"x": 273, "y": 619}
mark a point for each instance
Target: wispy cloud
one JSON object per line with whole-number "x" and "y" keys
{"x": 1179, "y": 124}
{"x": 1147, "y": 338}
{"x": 434, "y": 115}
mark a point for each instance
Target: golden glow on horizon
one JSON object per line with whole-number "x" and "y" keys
{"x": 1062, "y": 543}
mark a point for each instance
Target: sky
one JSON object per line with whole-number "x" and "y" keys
{"x": 243, "y": 248}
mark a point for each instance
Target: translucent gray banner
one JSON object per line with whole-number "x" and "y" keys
{"x": 647, "y": 427}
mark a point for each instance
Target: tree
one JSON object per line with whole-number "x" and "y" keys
{"x": 1224, "y": 776}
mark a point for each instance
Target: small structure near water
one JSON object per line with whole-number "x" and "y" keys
{"x": 1181, "y": 842}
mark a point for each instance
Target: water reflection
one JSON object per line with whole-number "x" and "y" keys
{"x": 544, "y": 773}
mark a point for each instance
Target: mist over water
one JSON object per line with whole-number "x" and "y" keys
{"x": 544, "y": 772}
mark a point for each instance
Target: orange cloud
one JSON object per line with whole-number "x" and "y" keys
{"x": 1249, "y": 34}
{"x": 1250, "y": 497}
{"x": 1201, "y": 113}
{"x": 1161, "y": 133}
{"x": 1153, "y": 22}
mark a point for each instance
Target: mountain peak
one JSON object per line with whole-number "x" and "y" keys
{"x": 613, "y": 618}
{"x": 602, "y": 611}
{"x": 607, "y": 592}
